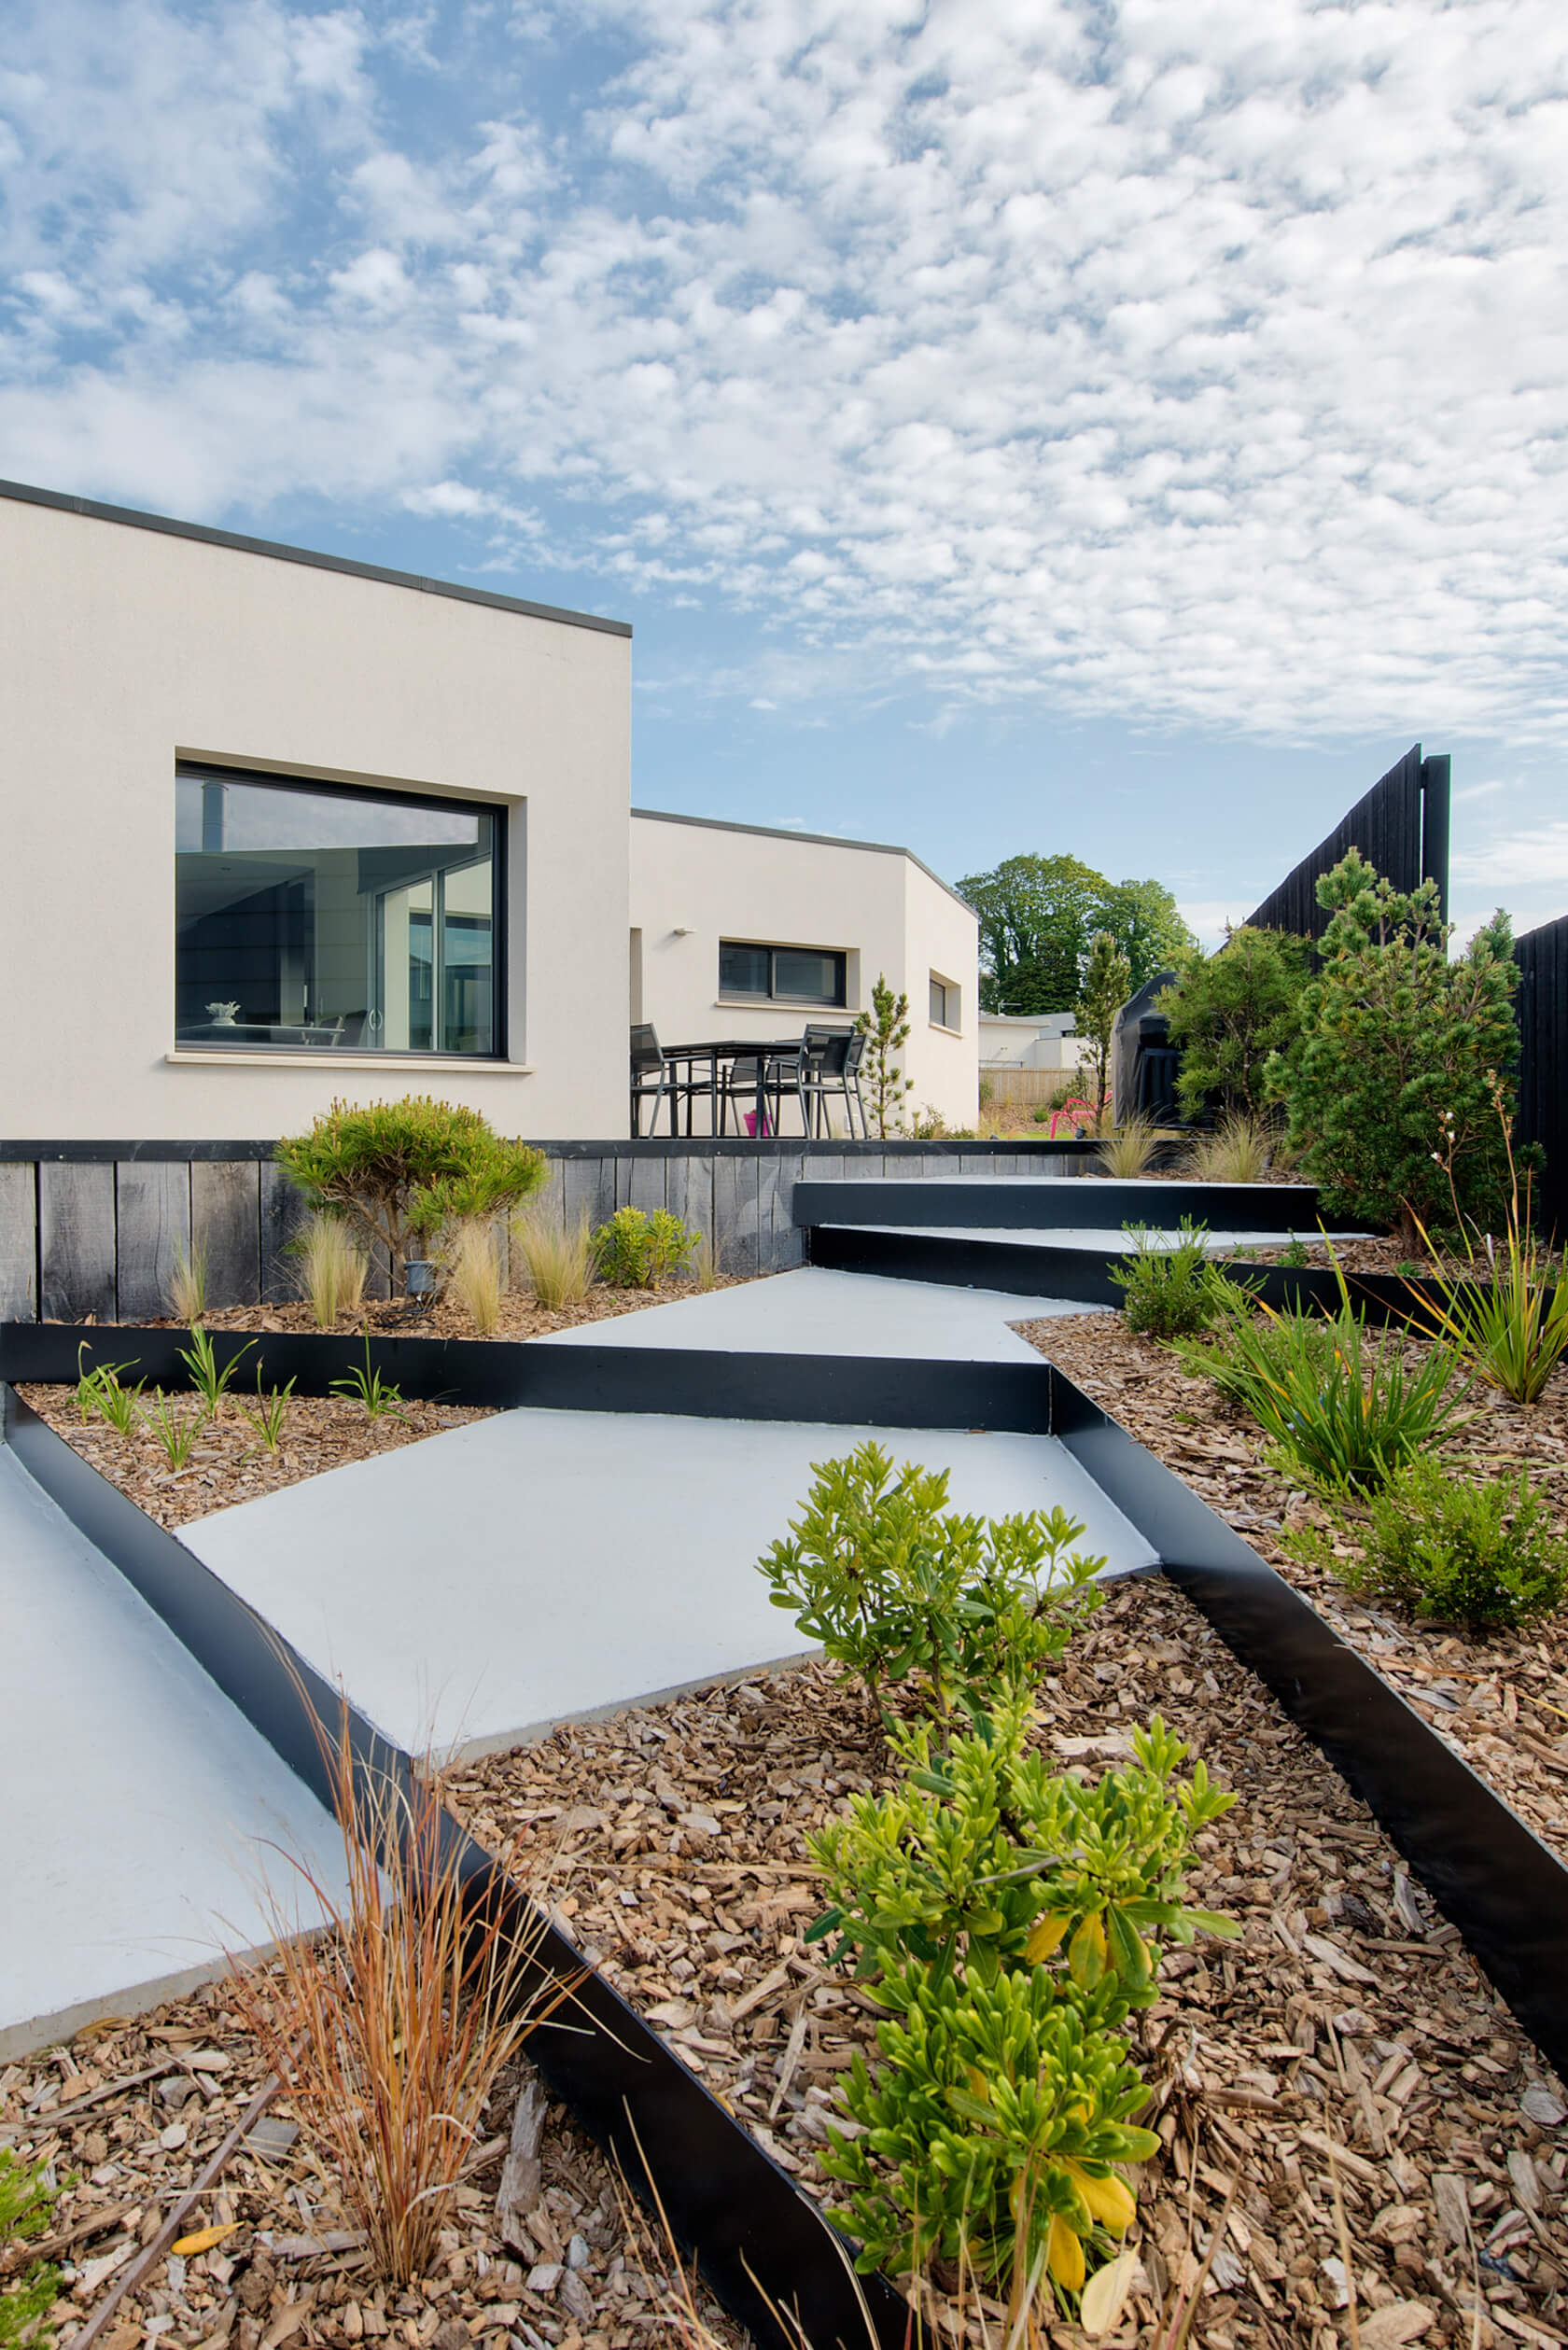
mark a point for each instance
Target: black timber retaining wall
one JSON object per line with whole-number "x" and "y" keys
{"x": 96, "y": 1228}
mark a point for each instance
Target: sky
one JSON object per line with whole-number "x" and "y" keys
{"x": 1110, "y": 427}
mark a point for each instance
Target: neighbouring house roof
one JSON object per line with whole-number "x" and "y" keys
{"x": 29, "y": 496}
{"x": 821, "y": 840}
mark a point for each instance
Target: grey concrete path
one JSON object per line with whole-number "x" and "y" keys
{"x": 475, "y": 1589}
{"x": 139, "y": 1805}
{"x": 1086, "y": 1236}
{"x": 816, "y": 1311}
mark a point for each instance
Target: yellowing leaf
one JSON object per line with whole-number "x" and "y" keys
{"x": 1085, "y": 1954}
{"x": 1108, "y": 2200}
{"x": 1044, "y": 1936}
{"x": 1064, "y": 2254}
{"x": 1105, "y": 2294}
{"x": 204, "y": 2239}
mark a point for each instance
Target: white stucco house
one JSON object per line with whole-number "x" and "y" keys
{"x": 278, "y": 827}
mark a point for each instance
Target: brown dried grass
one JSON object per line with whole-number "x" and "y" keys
{"x": 389, "y": 2029}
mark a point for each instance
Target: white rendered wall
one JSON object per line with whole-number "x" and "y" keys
{"x": 694, "y": 883}
{"x": 123, "y": 649}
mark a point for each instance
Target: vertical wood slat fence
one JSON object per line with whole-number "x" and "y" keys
{"x": 89, "y": 1234}
{"x": 1401, "y": 826}
{"x": 1541, "y": 1008}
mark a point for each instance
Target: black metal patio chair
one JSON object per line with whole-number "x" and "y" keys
{"x": 650, "y": 1078}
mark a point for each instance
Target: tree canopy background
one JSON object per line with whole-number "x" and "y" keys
{"x": 1037, "y": 917}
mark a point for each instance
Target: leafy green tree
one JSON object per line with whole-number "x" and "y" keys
{"x": 1107, "y": 985}
{"x": 1230, "y": 1011}
{"x": 1037, "y": 917}
{"x": 886, "y": 1029}
{"x": 1395, "y": 1076}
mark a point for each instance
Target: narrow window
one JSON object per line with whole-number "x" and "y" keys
{"x": 782, "y": 974}
{"x": 944, "y": 1003}
{"x": 308, "y": 919}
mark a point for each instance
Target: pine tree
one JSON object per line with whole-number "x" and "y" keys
{"x": 1107, "y": 985}
{"x": 886, "y": 1029}
{"x": 1390, "y": 1078}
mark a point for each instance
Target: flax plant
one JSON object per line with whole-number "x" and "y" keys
{"x": 389, "y": 2030}
{"x": 1509, "y": 1321}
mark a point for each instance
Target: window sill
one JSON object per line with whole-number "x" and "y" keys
{"x": 942, "y": 1030}
{"x": 781, "y": 1003}
{"x": 468, "y": 1065}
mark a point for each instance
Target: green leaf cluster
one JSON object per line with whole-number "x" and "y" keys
{"x": 410, "y": 1172}
{"x": 1038, "y": 915}
{"x": 899, "y": 1588}
{"x": 1390, "y": 1078}
{"x": 1009, "y": 1918}
{"x": 637, "y": 1248}
{"x": 1171, "y": 1291}
{"x": 1484, "y": 1556}
{"x": 26, "y": 2205}
{"x": 1230, "y": 1011}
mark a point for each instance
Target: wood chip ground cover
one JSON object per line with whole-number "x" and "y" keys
{"x": 128, "y": 2114}
{"x": 228, "y": 1462}
{"x": 521, "y": 1315}
{"x": 1347, "y": 2037}
{"x": 1502, "y": 1703}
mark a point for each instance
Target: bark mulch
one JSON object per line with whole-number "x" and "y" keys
{"x": 1500, "y": 1702}
{"x": 1374, "y": 1254}
{"x": 1347, "y": 2037}
{"x": 228, "y": 1462}
{"x": 130, "y": 2112}
{"x": 521, "y": 1315}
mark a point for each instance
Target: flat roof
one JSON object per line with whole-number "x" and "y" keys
{"x": 821, "y": 840}
{"x": 28, "y": 494}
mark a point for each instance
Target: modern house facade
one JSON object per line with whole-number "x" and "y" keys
{"x": 279, "y": 828}
{"x": 742, "y": 932}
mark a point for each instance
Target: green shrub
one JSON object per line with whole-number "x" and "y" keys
{"x": 1391, "y": 1076}
{"x": 1343, "y": 1412}
{"x": 26, "y": 2205}
{"x": 897, "y": 1587}
{"x": 1483, "y": 1555}
{"x": 411, "y": 1174}
{"x": 1230, "y": 1011}
{"x": 1171, "y": 1292}
{"x": 638, "y": 1250}
{"x": 1010, "y": 1919}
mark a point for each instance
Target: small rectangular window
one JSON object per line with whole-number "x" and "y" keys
{"x": 782, "y": 974}
{"x": 944, "y": 1003}
{"x": 308, "y": 919}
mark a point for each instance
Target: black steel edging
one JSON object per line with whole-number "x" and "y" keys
{"x": 1017, "y": 1269}
{"x": 699, "y": 1383}
{"x": 1098, "y": 1203}
{"x": 760, "y": 2241}
{"x": 1503, "y": 1889}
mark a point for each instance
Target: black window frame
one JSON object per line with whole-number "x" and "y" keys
{"x": 327, "y": 788}
{"x": 772, "y": 949}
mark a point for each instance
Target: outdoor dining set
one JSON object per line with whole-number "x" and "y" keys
{"x": 748, "y": 1080}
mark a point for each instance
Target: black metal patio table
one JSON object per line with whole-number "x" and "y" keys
{"x": 723, "y": 1054}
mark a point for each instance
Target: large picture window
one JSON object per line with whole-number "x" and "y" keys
{"x": 309, "y": 920}
{"x": 782, "y": 974}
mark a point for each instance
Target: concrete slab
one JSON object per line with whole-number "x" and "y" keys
{"x": 1072, "y": 1237}
{"x": 475, "y": 1589}
{"x": 139, "y": 1804}
{"x": 816, "y": 1311}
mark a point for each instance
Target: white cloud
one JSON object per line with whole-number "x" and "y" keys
{"x": 1196, "y": 363}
